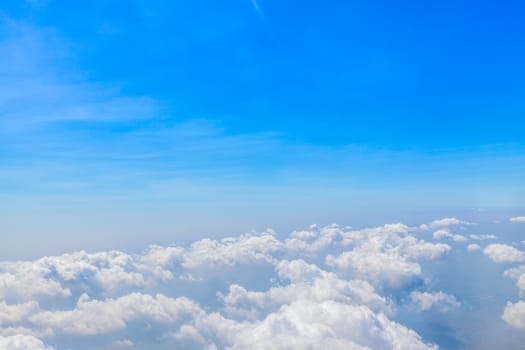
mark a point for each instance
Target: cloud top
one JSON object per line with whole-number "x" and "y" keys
{"x": 336, "y": 286}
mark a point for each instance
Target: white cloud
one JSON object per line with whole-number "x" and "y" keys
{"x": 91, "y": 317}
{"x": 305, "y": 324}
{"x": 473, "y": 247}
{"x": 249, "y": 248}
{"x": 308, "y": 282}
{"x": 26, "y": 280}
{"x": 316, "y": 239}
{"x": 124, "y": 343}
{"x": 385, "y": 256}
{"x": 112, "y": 271}
{"x": 22, "y": 342}
{"x": 517, "y": 219}
{"x": 10, "y": 314}
{"x": 446, "y": 234}
{"x": 501, "y": 253}
{"x": 517, "y": 273}
{"x": 482, "y": 237}
{"x": 378, "y": 268}
{"x": 445, "y": 222}
{"x": 514, "y": 314}
{"x": 48, "y": 298}
{"x": 440, "y": 301}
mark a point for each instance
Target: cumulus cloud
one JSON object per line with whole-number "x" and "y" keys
{"x": 385, "y": 256}
{"x": 15, "y": 313}
{"x": 249, "y": 248}
{"x": 440, "y": 301}
{"x": 473, "y": 247}
{"x": 306, "y": 324}
{"x": 379, "y": 268}
{"x": 22, "y": 342}
{"x": 110, "y": 272}
{"x": 514, "y": 314}
{"x": 92, "y": 317}
{"x": 336, "y": 286}
{"x": 439, "y": 234}
{"x": 445, "y": 222}
{"x": 501, "y": 253}
{"x": 26, "y": 280}
{"x": 517, "y": 273}
{"x": 308, "y": 282}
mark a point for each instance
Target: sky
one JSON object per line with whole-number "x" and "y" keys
{"x": 262, "y": 174}
{"x": 176, "y": 119}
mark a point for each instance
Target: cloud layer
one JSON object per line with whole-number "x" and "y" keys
{"x": 332, "y": 286}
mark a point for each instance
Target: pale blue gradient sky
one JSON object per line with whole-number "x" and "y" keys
{"x": 159, "y": 121}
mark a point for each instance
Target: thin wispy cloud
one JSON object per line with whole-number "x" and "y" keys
{"x": 257, "y": 8}
{"x": 517, "y": 219}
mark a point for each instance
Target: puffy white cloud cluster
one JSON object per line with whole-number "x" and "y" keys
{"x": 439, "y": 234}
{"x": 22, "y": 342}
{"x": 328, "y": 285}
{"x": 305, "y": 324}
{"x": 307, "y": 282}
{"x": 385, "y": 256}
{"x": 502, "y": 253}
{"x": 517, "y": 219}
{"x": 50, "y": 276}
{"x": 514, "y": 314}
{"x": 91, "y": 317}
{"x": 517, "y": 273}
{"x": 445, "y": 222}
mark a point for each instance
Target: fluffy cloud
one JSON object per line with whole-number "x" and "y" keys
{"x": 385, "y": 255}
{"x": 22, "y": 342}
{"x": 110, "y": 271}
{"x": 308, "y": 282}
{"x": 306, "y": 324}
{"x": 517, "y": 273}
{"x": 17, "y": 312}
{"x": 445, "y": 222}
{"x": 92, "y": 317}
{"x": 26, "y": 280}
{"x": 379, "y": 268}
{"x": 440, "y": 301}
{"x": 249, "y": 248}
{"x": 335, "y": 286}
{"x": 501, "y": 253}
{"x": 473, "y": 247}
{"x": 439, "y": 234}
{"x": 514, "y": 314}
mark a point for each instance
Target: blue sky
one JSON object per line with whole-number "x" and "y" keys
{"x": 165, "y": 119}
{"x": 262, "y": 174}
